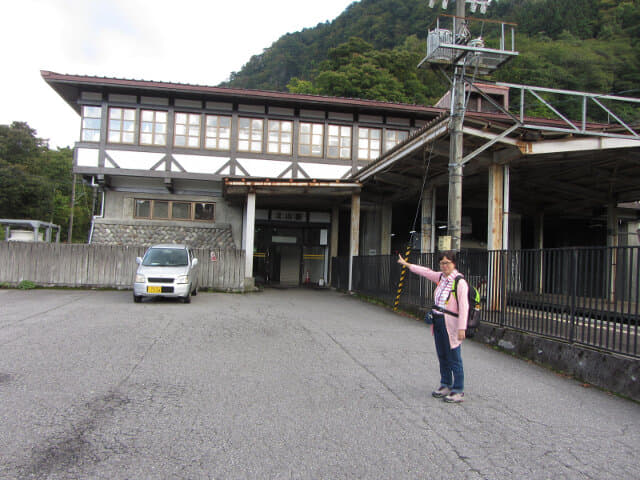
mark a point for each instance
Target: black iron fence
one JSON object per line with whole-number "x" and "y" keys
{"x": 340, "y": 273}
{"x": 588, "y": 296}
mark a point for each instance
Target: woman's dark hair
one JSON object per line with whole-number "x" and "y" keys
{"x": 450, "y": 255}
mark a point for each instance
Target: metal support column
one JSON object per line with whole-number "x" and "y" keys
{"x": 335, "y": 222}
{"x": 612, "y": 243}
{"x": 385, "y": 235}
{"x": 427, "y": 242}
{"x": 72, "y": 207}
{"x": 495, "y": 231}
{"x": 538, "y": 230}
{"x": 454, "y": 222}
{"x": 495, "y": 234}
{"x": 354, "y": 237}
{"x": 249, "y": 231}
{"x": 333, "y": 246}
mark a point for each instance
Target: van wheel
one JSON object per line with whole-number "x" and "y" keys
{"x": 195, "y": 292}
{"x": 186, "y": 299}
{"x": 137, "y": 299}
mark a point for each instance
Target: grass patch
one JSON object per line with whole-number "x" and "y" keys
{"x": 26, "y": 285}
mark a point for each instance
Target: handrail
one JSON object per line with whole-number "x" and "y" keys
{"x": 486, "y": 20}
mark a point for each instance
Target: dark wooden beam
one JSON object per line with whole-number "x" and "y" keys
{"x": 399, "y": 180}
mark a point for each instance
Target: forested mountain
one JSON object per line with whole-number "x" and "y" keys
{"x": 372, "y": 49}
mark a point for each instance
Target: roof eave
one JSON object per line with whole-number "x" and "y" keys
{"x": 57, "y": 79}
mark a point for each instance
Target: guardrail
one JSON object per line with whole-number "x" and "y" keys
{"x": 587, "y": 296}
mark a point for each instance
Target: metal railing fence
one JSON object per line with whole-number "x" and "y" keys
{"x": 340, "y": 273}
{"x": 587, "y": 296}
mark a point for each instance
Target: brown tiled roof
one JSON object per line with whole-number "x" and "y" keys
{"x": 53, "y": 77}
{"x": 306, "y": 100}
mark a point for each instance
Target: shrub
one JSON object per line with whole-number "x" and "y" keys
{"x": 26, "y": 285}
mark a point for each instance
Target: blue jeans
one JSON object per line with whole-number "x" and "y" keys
{"x": 451, "y": 371}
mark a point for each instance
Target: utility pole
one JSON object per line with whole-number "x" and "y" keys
{"x": 73, "y": 201}
{"x": 454, "y": 47}
{"x": 454, "y": 220}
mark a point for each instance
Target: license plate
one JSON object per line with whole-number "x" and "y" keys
{"x": 154, "y": 289}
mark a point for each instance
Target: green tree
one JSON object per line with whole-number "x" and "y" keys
{"x": 589, "y": 45}
{"x": 36, "y": 182}
{"x": 20, "y": 146}
{"x": 296, "y": 85}
{"x": 22, "y": 195}
{"x": 355, "y": 69}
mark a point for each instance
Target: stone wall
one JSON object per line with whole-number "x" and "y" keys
{"x": 609, "y": 371}
{"x": 147, "y": 233}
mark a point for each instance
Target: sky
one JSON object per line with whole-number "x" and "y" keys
{"x": 186, "y": 41}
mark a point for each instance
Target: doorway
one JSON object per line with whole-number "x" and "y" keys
{"x": 287, "y": 257}
{"x": 291, "y": 256}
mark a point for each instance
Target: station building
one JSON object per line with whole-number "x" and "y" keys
{"x": 295, "y": 180}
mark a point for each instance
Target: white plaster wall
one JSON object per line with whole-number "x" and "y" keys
{"x": 87, "y": 157}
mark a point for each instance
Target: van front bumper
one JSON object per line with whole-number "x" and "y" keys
{"x": 161, "y": 290}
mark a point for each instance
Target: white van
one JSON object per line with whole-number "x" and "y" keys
{"x": 166, "y": 270}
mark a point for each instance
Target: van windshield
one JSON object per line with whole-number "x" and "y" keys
{"x": 166, "y": 257}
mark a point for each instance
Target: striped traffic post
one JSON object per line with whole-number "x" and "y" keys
{"x": 403, "y": 272}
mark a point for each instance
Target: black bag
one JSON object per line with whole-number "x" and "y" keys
{"x": 428, "y": 318}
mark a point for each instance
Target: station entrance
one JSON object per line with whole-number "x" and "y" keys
{"x": 291, "y": 253}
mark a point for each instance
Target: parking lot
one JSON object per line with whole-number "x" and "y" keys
{"x": 279, "y": 384}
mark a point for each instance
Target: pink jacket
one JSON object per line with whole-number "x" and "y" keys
{"x": 459, "y": 306}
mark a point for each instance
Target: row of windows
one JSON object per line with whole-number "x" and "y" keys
{"x": 188, "y": 133}
{"x": 174, "y": 210}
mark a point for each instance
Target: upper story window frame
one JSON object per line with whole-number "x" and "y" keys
{"x": 187, "y": 133}
{"x": 338, "y": 142}
{"x": 250, "y": 134}
{"x": 369, "y": 142}
{"x": 91, "y": 124}
{"x": 153, "y": 127}
{"x": 218, "y": 133}
{"x": 122, "y": 125}
{"x": 311, "y": 139}
{"x": 280, "y": 136}
{"x": 393, "y": 137}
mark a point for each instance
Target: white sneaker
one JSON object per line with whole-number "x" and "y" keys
{"x": 454, "y": 397}
{"x": 441, "y": 392}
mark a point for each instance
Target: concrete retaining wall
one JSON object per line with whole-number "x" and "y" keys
{"x": 611, "y": 372}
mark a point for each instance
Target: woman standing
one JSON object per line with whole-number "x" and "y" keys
{"x": 449, "y": 323}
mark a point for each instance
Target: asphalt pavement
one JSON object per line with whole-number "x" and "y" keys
{"x": 280, "y": 384}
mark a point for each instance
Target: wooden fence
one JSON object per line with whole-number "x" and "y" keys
{"x": 103, "y": 266}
